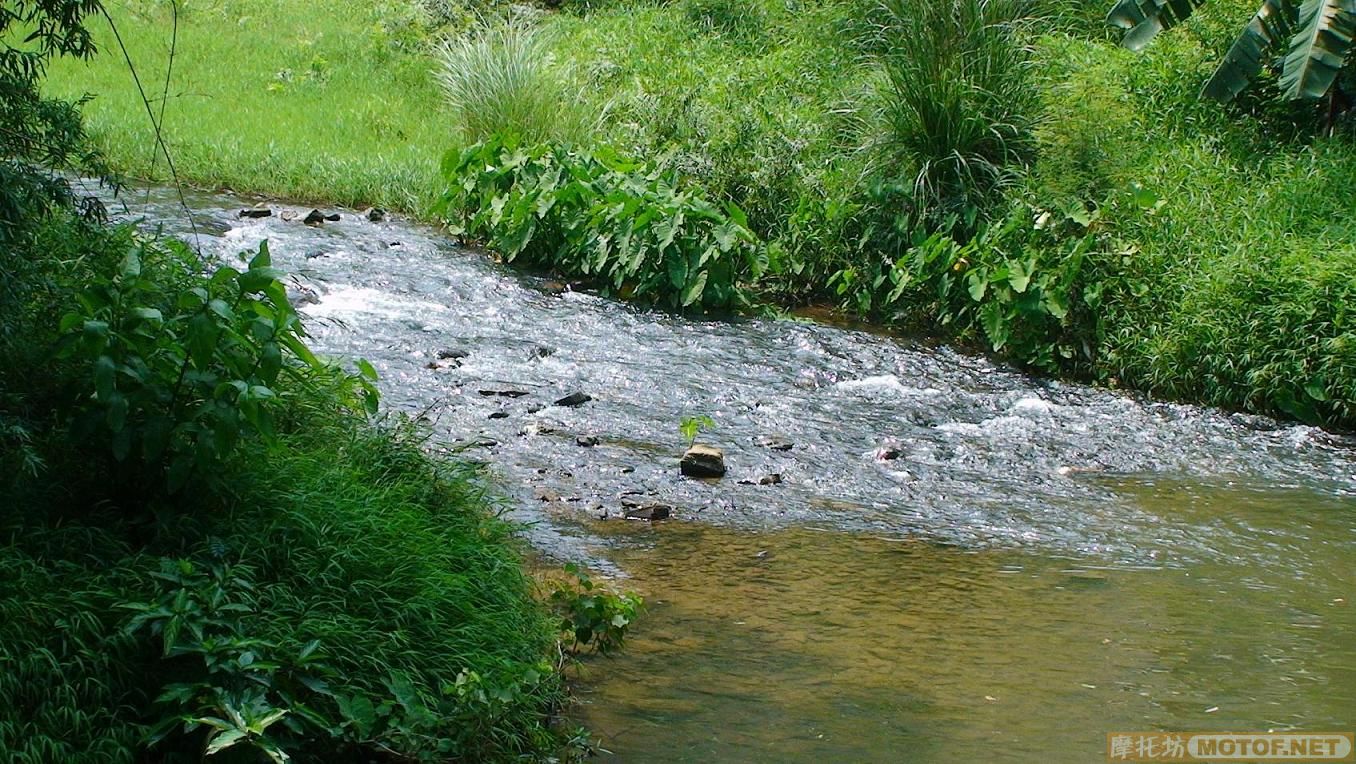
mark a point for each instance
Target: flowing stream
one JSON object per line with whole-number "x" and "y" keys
{"x": 958, "y": 563}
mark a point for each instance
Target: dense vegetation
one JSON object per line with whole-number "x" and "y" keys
{"x": 1004, "y": 174}
{"x": 210, "y": 541}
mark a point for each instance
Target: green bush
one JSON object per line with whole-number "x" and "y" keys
{"x": 502, "y": 78}
{"x": 1030, "y": 286}
{"x": 183, "y": 368}
{"x": 628, "y": 227}
{"x": 593, "y": 617}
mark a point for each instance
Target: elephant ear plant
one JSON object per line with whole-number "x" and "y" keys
{"x": 1310, "y": 40}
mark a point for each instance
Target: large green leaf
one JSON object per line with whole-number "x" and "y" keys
{"x": 1319, "y": 49}
{"x": 1146, "y": 18}
{"x": 1272, "y": 23}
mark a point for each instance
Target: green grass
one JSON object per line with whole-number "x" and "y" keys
{"x": 310, "y": 102}
{"x": 502, "y": 78}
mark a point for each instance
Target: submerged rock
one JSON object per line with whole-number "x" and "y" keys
{"x": 586, "y": 441}
{"x": 703, "y": 461}
{"x": 574, "y": 399}
{"x": 446, "y": 353}
{"x": 256, "y": 212}
{"x": 314, "y": 217}
{"x": 375, "y": 214}
{"x": 776, "y": 443}
{"x": 888, "y": 453}
{"x": 773, "y": 479}
{"x": 504, "y": 393}
{"x": 649, "y": 512}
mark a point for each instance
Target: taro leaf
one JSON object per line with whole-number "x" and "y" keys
{"x": 1146, "y": 18}
{"x": 1319, "y": 47}
{"x": 677, "y": 268}
{"x": 978, "y": 284}
{"x": 995, "y": 324}
{"x": 1273, "y": 22}
{"x": 694, "y": 290}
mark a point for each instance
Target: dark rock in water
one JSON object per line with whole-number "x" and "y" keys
{"x": 451, "y": 353}
{"x": 574, "y": 399}
{"x": 504, "y": 393}
{"x": 333, "y": 217}
{"x": 393, "y": 244}
{"x": 299, "y": 294}
{"x": 776, "y": 443}
{"x": 314, "y": 217}
{"x": 314, "y": 255}
{"x": 703, "y": 461}
{"x": 888, "y": 453}
{"x": 587, "y": 441}
{"x": 772, "y": 479}
{"x": 650, "y": 512}
{"x": 375, "y": 214}
{"x": 499, "y": 415}
{"x": 256, "y": 212}
{"x": 554, "y": 287}
{"x": 539, "y": 351}
{"x": 534, "y": 408}
{"x": 627, "y": 470}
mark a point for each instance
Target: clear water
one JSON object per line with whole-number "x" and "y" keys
{"x": 1043, "y": 562}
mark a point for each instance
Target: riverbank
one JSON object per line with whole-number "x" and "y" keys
{"x": 1153, "y": 241}
{"x": 257, "y": 563}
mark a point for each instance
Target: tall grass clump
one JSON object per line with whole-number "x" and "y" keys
{"x": 958, "y": 105}
{"x": 503, "y": 78}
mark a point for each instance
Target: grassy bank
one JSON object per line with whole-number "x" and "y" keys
{"x": 1118, "y": 229}
{"x": 311, "y": 584}
{"x": 321, "y": 103}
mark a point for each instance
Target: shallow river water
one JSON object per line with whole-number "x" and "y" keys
{"x": 1039, "y": 565}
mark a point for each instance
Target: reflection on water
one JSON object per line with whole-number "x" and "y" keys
{"x": 1042, "y": 562}
{"x": 805, "y": 645}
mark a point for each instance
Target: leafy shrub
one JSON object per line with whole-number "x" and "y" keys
{"x": 233, "y": 687}
{"x": 627, "y": 226}
{"x": 594, "y": 617}
{"x": 181, "y": 372}
{"x": 1029, "y": 286}
{"x": 502, "y": 78}
{"x": 958, "y": 107}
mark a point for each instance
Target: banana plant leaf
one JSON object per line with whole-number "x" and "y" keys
{"x": 1273, "y": 22}
{"x": 1319, "y": 47}
{"x": 1146, "y": 18}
